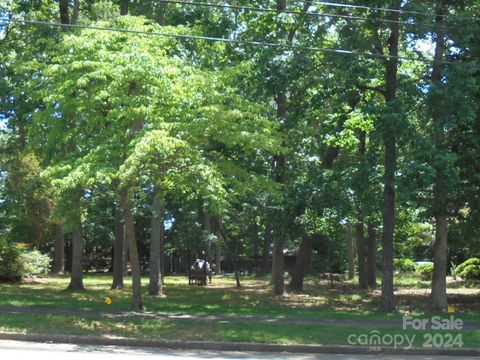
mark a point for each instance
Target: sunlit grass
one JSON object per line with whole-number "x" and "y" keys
{"x": 202, "y": 331}
{"x": 222, "y": 298}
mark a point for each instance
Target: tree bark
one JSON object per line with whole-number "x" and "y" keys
{"x": 362, "y": 265}
{"x": 76, "y": 277}
{"x": 439, "y": 275}
{"x": 118, "y": 251}
{"x": 256, "y": 250}
{"x": 218, "y": 250}
{"x": 372, "y": 256}
{"x": 22, "y": 137}
{"x": 390, "y": 166}
{"x": 137, "y": 302}
{"x": 124, "y": 5}
{"x": 278, "y": 279}
{"x": 207, "y": 226}
{"x": 157, "y": 233}
{"x": 360, "y": 226}
{"x": 301, "y": 263}
{"x": 76, "y": 11}
{"x": 235, "y": 265}
{"x": 63, "y": 11}
{"x": 350, "y": 252}
{"x": 126, "y": 252}
{"x": 59, "y": 261}
{"x": 267, "y": 241}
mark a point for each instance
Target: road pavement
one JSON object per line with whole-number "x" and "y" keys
{"x": 13, "y": 350}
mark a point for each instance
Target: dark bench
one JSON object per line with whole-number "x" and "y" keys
{"x": 200, "y": 273}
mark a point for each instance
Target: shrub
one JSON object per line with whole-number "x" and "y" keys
{"x": 425, "y": 271}
{"x": 462, "y": 266}
{"x": 469, "y": 269}
{"x": 35, "y": 263}
{"x": 11, "y": 266}
{"x": 404, "y": 265}
{"x": 471, "y": 272}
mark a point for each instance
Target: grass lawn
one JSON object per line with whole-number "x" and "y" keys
{"x": 222, "y": 298}
{"x": 197, "y": 330}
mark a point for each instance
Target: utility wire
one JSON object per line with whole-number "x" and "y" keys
{"x": 308, "y": 13}
{"x": 335, "y": 51}
{"x": 400, "y": 11}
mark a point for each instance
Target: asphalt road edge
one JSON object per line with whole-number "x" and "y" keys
{"x": 231, "y": 346}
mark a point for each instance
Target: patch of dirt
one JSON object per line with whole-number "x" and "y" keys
{"x": 35, "y": 280}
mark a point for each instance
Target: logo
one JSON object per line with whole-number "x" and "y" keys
{"x": 436, "y": 332}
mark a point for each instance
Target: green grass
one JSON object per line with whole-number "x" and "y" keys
{"x": 195, "y": 330}
{"x": 254, "y": 299}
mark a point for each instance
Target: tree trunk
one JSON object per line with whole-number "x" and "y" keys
{"x": 439, "y": 275}
{"x": 207, "y": 226}
{"x": 59, "y": 261}
{"x": 63, "y": 10}
{"x": 157, "y": 232}
{"x": 162, "y": 250}
{"x": 22, "y": 137}
{"x": 360, "y": 226}
{"x": 301, "y": 263}
{"x": 256, "y": 250}
{"x": 362, "y": 265}
{"x": 278, "y": 280}
{"x": 280, "y": 165}
{"x": 124, "y": 4}
{"x": 76, "y": 11}
{"x": 76, "y": 278}
{"x": 218, "y": 251}
{"x": 118, "y": 251}
{"x": 350, "y": 252}
{"x": 235, "y": 265}
{"x": 372, "y": 256}
{"x": 137, "y": 302}
{"x": 126, "y": 258}
{"x": 388, "y": 296}
{"x": 267, "y": 241}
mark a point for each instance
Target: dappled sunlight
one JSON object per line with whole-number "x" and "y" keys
{"x": 254, "y": 298}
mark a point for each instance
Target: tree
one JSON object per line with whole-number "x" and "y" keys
{"x": 439, "y": 276}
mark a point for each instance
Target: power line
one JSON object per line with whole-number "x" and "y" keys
{"x": 335, "y": 51}
{"x": 307, "y": 13}
{"x": 400, "y": 11}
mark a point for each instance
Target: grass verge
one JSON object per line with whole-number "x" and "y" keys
{"x": 203, "y": 331}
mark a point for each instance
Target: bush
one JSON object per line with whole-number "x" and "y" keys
{"x": 469, "y": 269}
{"x": 35, "y": 263}
{"x": 404, "y": 265}
{"x": 11, "y": 266}
{"x": 471, "y": 272}
{"x": 425, "y": 271}
{"x": 472, "y": 261}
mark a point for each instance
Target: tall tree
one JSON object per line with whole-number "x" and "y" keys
{"x": 76, "y": 276}
{"x": 125, "y": 203}
{"x": 371, "y": 255}
{"x": 59, "y": 256}
{"x": 157, "y": 236}
{"x": 118, "y": 250}
{"x": 390, "y": 164}
{"x": 63, "y": 11}
{"x": 440, "y": 191}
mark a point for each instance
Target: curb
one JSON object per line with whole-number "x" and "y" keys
{"x": 232, "y": 346}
